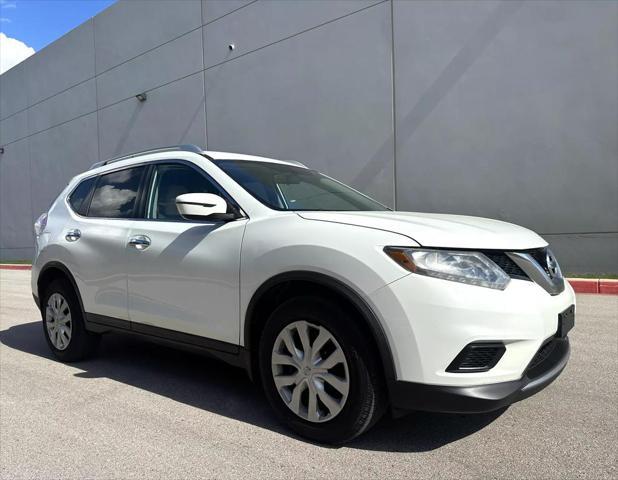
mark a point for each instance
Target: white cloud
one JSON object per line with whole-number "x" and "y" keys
{"x": 12, "y": 51}
{"x": 5, "y": 5}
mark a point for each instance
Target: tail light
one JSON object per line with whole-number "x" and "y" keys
{"x": 40, "y": 224}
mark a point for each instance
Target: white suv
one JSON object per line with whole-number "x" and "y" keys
{"x": 338, "y": 306}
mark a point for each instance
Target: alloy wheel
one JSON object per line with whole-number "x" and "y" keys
{"x": 58, "y": 321}
{"x": 310, "y": 371}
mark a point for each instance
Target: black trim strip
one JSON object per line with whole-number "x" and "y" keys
{"x": 406, "y": 396}
{"x": 206, "y": 205}
{"x": 144, "y": 191}
{"x": 181, "y": 337}
{"x": 368, "y": 315}
{"x": 228, "y": 352}
{"x": 104, "y": 321}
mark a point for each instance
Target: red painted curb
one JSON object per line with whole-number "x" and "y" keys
{"x": 608, "y": 287}
{"x": 13, "y": 266}
{"x": 584, "y": 285}
{"x": 594, "y": 285}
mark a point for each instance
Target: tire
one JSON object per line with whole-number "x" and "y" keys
{"x": 75, "y": 342}
{"x": 355, "y": 410}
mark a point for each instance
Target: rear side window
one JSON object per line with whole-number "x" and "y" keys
{"x": 116, "y": 193}
{"x": 80, "y": 196}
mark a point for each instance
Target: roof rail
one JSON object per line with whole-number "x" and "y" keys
{"x": 172, "y": 148}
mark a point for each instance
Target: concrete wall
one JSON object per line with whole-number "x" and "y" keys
{"x": 500, "y": 109}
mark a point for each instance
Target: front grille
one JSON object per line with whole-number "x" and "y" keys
{"x": 540, "y": 255}
{"x": 506, "y": 264}
{"x": 477, "y": 357}
{"x": 543, "y": 353}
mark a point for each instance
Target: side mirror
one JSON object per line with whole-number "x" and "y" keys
{"x": 203, "y": 206}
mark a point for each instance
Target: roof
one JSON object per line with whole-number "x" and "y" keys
{"x": 194, "y": 149}
{"x": 251, "y": 158}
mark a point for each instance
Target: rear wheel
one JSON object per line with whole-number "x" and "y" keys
{"x": 63, "y": 323}
{"x": 319, "y": 372}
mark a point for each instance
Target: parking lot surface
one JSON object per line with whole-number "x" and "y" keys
{"x": 140, "y": 410}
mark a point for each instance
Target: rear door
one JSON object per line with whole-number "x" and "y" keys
{"x": 104, "y": 208}
{"x": 183, "y": 276}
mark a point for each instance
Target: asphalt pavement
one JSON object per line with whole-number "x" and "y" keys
{"x": 141, "y": 410}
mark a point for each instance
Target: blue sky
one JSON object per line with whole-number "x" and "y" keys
{"x": 37, "y": 23}
{"x": 27, "y": 26}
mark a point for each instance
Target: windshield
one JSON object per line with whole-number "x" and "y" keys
{"x": 286, "y": 187}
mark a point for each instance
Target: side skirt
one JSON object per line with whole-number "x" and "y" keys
{"x": 229, "y": 353}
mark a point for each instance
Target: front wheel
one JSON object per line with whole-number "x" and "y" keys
{"x": 319, "y": 371}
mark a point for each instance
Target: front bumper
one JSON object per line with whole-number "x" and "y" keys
{"x": 429, "y": 321}
{"x": 406, "y": 396}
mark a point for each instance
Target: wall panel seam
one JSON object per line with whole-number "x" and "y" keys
{"x": 296, "y": 34}
{"x": 50, "y": 128}
{"x": 148, "y": 50}
{"x": 582, "y": 233}
{"x": 394, "y": 107}
{"x": 47, "y": 98}
{"x": 102, "y": 108}
{"x": 228, "y": 13}
{"x": 154, "y": 88}
{"x": 30, "y": 177}
{"x": 204, "y": 86}
{"x": 96, "y": 91}
{"x": 97, "y": 74}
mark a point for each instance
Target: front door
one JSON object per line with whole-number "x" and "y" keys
{"x": 184, "y": 275}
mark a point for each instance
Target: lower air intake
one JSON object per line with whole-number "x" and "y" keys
{"x": 477, "y": 357}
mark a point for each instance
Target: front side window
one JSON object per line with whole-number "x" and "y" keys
{"x": 169, "y": 181}
{"x": 286, "y": 187}
{"x": 79, "y": 198}
{"x": 116, "y": 193}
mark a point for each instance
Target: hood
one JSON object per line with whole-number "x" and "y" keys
{"x": 440, "y": 230}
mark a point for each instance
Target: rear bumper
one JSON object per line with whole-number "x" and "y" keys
{"x": 407, "y": 396}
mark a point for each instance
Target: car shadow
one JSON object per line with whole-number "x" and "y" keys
{"x": 211, "y": 385}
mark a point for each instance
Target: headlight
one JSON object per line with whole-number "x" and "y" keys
{"x": 472, "y": 268}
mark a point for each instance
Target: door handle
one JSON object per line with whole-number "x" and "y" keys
{"x": 139, "y": 242}
{"x": 73, "y": 235}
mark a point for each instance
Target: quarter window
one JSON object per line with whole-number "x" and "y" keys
{"x": 79, "y": 198}
{"x": 171, "y": 180}
{"x": 116, "y": 193}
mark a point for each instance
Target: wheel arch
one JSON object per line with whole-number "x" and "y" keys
{"x": 286, "y": 285}
{"x": 51, "y": 271}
